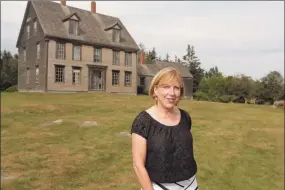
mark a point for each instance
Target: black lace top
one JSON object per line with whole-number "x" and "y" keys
{"x": 170, "y": 155}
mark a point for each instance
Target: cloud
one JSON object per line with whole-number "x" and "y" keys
{"x": 238, "y": 36}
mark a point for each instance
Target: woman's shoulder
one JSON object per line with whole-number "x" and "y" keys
{"x": 184, "y": 112}
{"x": 141, "y": 123}
{"x": 141, "y": 116}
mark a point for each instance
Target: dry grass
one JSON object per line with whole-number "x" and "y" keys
{"x": 236, "y": 146}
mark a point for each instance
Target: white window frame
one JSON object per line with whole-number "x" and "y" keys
{"x": 115, "y": 78}
{"x": 142, "y": 81}
{"x": 37, "y": 73}
{"x": 28, "y": 75}
{"x": 73, "y": 27}
{"x": 97, "y": 55}
{"x": 116, "y": 35}
{"x": 59, "y": 70}
{"x": 116, "y": 58}
{"x": 60, "y": 50}
{"x": 76, "y": 53}
{"x": 128, "y": 59}
{"x": 28, "y": 31}
{"x": 128, "y": 79}
{"x": 35, "y": 24}
{"x": 76, "y": 75}
{"x": 38, "y": 50}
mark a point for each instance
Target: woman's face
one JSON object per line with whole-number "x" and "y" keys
{"x": 168, "y": 95}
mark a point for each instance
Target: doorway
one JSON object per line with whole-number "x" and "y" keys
{"x": 97, "y": 79}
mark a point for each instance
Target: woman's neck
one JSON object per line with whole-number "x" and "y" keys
{"x": 163, "y": 112}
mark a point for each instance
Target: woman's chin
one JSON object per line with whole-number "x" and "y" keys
{"x": 169, "y": 105}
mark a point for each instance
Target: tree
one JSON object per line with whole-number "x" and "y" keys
{"x": 192, "y": 62}
{"x": 9, "y": 69}
{"x": 150, "y": 56}
{"x": 213, "y": 71}
{"x": 142, "y": 47}
{"x": 274, "y": 86}
{"x": 176, "y": 59}
{"x": 153, "y": 54}
{"x": 166, "y": 57}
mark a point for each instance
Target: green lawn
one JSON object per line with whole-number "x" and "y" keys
{"x": 237, "y": 146}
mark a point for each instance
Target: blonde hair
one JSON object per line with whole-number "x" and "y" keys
{"x": 164, "y": 76}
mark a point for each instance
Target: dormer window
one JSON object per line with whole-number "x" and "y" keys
{"x": 73, "y": 27}
{"x": 116, "y": 35}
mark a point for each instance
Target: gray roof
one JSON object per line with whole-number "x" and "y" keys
{"x": 92, "y": 26}
{"x": 152, "y": 68}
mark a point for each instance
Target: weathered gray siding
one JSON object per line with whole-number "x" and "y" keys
{"x": 87, "y": 59}
{"x": 31, "y": 56}
{"x": 188, "y": 87}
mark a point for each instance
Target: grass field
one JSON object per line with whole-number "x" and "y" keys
{"x": 237, "y": 146}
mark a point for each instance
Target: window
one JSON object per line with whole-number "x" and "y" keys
{"x": 76, "y": 75}
{"x": 37, "y": 73}
{"x": 116, "y": 35}
{"x": 128, "y": 78}
{"x": 142, "y": 79}
{"x": 97, "y": 55}
{"x": 24, "y": 54}
{"x": 128, "y": 59}
{"x": 73, "y": 27}
{"x": 35, "y": 27}
{"x": 38, "y": 50}
{"x": 59, "y": 73}
{"x": 115, "y": 78}
{"x": 28, "y": 75}
{"x": 116, "y": 57}
{"x": 76, "y": 53}
{"x": 60, "y": 51}
{"x": 28, "y": 31}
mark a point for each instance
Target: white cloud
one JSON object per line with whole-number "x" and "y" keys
{"x": 238, "y": 37}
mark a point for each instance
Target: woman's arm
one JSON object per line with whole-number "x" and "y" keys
{"x": 139, "y": 155}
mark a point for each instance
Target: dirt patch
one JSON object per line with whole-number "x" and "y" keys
{"x": 88, "y": 124}
{"x": 47, "y": 107}
{"x": 6, "y": 110}
{"x": 124, "y": 134}
{"x": 261, "y": 145}
{"x": 220, "y": 133}
{"x": 41, "y": 134}
{"x": 56, "y": 122}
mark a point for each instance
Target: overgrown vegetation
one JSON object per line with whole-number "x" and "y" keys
{"x": 9, "y": 70}
{"x": 212, "y": 85}
{"x": 209, "y": 85}
{"x": 239, "y": 146}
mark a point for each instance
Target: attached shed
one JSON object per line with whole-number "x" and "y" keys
{"x": 147, "y": 71}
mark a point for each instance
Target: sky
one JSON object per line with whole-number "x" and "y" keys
{"x": 238, "y": 37}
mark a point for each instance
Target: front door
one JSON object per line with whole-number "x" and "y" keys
{"x": 97, "y": 79}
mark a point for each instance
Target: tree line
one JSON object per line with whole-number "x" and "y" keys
{"x": 9, "y": 70}
{"x": 212, "y": 85}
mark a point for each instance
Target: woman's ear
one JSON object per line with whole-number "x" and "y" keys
{"x": 155, "y": 91}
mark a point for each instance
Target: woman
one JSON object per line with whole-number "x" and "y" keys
{"x": 162, "y": 147}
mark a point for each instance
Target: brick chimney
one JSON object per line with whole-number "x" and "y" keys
{"x": 142, "y": 57}
{"x": 93, "y": 7}
{"x": 63, "y": 2}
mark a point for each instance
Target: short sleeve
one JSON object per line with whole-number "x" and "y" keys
{"x": 140, "y": 126}
{"x": 189, "y": 119}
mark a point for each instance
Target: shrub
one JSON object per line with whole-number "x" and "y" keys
{"x": 145, "y": 91}
{"x": 227, "y": 98}
{"x": 239, "y": 99}
{"x": 12, "y": 89}
{"x": 199, "y": 95}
